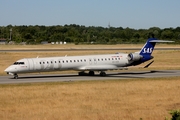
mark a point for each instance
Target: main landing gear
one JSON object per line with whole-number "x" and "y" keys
{"x": 102, "y": 73}
{"x": 91, "y": 73}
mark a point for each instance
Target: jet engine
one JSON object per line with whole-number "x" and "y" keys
{"x": 134, "y": 57}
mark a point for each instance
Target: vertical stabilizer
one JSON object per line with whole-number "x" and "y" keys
{"x": 148, "y": 47}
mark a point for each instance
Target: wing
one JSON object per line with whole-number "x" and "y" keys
{"x": 98, "y": 68}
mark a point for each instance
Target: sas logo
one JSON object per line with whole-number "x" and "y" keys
{"x": 147, "y": 50}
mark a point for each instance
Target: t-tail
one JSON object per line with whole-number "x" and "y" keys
{"x": 147, "y": 49}
{"x": 145, "y": 53}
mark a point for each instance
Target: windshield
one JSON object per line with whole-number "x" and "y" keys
{"x": 18, "y": 63}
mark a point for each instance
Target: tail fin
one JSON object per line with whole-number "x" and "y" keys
{"x": 145, "y": 53}
{"x": 149, "y": 46}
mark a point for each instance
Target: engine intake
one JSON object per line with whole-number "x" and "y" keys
{"x": 134, "y": 57}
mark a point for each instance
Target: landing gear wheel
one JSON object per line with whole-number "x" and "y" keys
{"x": 91, "y": 73}
{"x": 102, "y": 73}
{"x": 15, "y": 76}
{"x": 81, "y": 73}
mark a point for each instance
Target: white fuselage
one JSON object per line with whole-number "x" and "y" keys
{"x": 80, "y": 63}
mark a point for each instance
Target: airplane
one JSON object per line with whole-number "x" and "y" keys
{"x": 91, "y": 63}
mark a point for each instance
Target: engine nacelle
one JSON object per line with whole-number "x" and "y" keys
{"x": 134, "y": 57}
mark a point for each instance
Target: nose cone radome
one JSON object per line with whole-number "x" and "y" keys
{"x": 7, "y": 69}
{"x": 10, "y": 69}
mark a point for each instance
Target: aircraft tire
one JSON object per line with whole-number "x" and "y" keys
{"x": 81, "y": 73}
{"x": 102, "y": 74}
{"x": 91, "y": 73}
{"x": 16, "y": 77}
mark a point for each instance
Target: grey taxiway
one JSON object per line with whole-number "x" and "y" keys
{"x": 30, "y": 78}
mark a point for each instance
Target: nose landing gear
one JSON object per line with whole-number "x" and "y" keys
{"x": 15, "y": 76}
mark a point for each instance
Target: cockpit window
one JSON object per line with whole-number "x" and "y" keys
{"x": 16, "y": 63}
{"x": 19, "y": 63}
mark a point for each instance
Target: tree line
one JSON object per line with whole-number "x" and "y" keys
{"x": 80, "y": 34}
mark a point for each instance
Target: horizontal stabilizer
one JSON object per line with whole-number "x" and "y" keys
{"x": 160, "y": 41}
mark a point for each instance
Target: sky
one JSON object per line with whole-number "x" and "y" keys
{"x": 136, "y": 14}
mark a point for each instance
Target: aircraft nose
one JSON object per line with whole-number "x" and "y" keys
{"x": 9, "y": 69}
